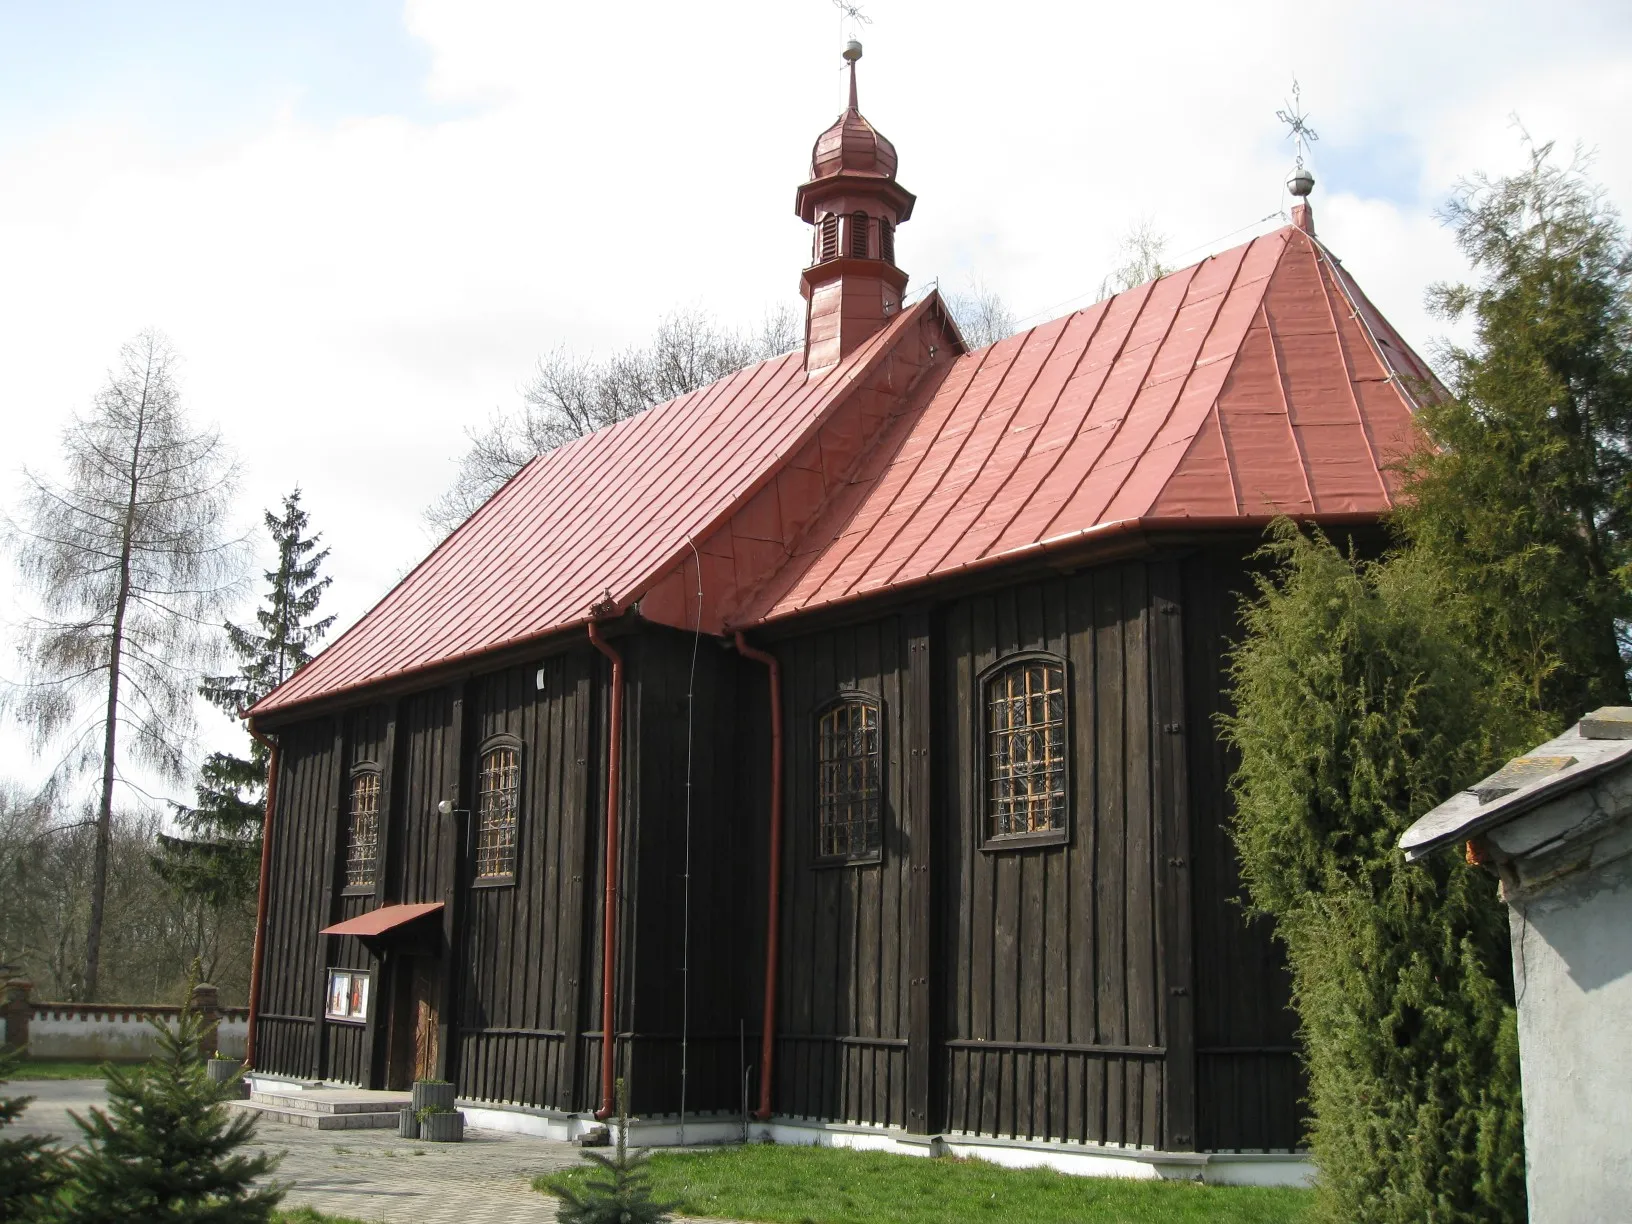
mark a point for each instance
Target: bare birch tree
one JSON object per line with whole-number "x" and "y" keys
{"x": 132, "y": 573}
{"x": 1139, "y": 256}
{"x": 981, "y": 314}
{"x": 571, "y": 395}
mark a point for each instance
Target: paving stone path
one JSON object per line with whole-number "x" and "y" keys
{"x": 370, "y": 1175}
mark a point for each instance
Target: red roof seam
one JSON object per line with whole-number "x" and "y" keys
{"x": 1087, "y": 408}
{"x": 1348, "y": 383}
{"x": 918, "y": 465}
{"x": 436, "y": 638}
{"x": 1018, "y": 404}
{"x": 1218, "y": 313}
{"x": 580, "y": 459}
{"x": 1286, "y": 402}
{"x": 302, "y": 678}
{"x": 979, "y": 361}
{"x": 942, "y": 480}
{"x": 1132, "y": 400}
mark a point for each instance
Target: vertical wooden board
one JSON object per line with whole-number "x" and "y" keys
{"x": 1057, "y": 936}
{"x": 1171, "y": 733}
{"x": 921, "y": 1019}
{"x": 1031, "y": 867}
{"x": 1145, "y": 972}
{"x": 1110, "y": 866}
{"x": 958, "y": 861}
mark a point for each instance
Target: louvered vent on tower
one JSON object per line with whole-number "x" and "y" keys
{"x": 829, "y": 234}
{"x": 886, "y": 240}
{"x": 858, "y": 236}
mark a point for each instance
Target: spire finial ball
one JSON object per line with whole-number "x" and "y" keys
{"x": 852, "y": 51}
{"x": 1302, "y": 182}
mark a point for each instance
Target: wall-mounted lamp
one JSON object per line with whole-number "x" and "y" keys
{"x": 447, "y": 809}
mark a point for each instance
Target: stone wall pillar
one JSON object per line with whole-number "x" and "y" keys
{"x": 206, "y": 1002}
{"x": 16, "y": 1009}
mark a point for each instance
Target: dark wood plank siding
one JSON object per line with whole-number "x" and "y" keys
{"x": 688, "y": 978}
{"x": 521, "y": 959}
{"x": 292, "y": 972}
{"x": 1106, "y": 989}
{"x": 1250, "y": 1081}
{"x": 1052, "y": 983}
{"x": 843, "y": 1005}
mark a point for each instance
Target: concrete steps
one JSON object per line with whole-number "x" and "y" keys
{"x": 328, "y": 1108}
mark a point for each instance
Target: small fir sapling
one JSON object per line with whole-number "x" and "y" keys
{"x": 31, "y": 1169}
{"x": 167, "y": 1148}
{"x": 619, "y": 1191}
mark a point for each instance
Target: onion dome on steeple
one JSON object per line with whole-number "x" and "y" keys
{"x": 852, "y": 145}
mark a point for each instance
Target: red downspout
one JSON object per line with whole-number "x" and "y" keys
{"x": 609, "y": 916}
{"x": 773, "y": 887}
{"x": 259, "y": 953}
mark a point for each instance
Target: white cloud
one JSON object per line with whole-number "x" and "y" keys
{"x": 350, "y": 295}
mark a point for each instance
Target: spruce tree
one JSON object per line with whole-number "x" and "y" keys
{"x": 1360, "y": 702}
{"x": 31, "y": 1169}
{"x": 218, "y": 862}
{"x": 1525, "y": 501}
{"x": 620, "y": 1191}
{"x": 167, "y": 1149}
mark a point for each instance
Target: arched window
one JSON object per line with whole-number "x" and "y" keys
{"x": 363, "y": 827}
{"x": 497, "y": 796}
{"x": 886, "y": 240}
{"x": 849, "y": 780}
{"x": 1025, "y": 758}
{"x": 858, "y": 235}
{"x": 828, "y": 238}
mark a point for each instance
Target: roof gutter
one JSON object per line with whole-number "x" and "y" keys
{"x": 773, "y": 881}
{"x": 258, "y": 956}
{"x": 609, "y": 913}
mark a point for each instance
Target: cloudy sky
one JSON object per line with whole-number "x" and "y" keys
{"x": 361, "y": 223}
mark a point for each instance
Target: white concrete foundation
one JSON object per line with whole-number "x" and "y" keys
{"x": 1077, "y": 1159}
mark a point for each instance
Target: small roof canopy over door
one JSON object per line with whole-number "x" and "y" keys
{"x": 391, "y": 926}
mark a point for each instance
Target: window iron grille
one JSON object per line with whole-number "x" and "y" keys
{"x": 363, "y": 830}
{"x": 499, "y": 786}
{"x": 849, "y": 798}
{"x": 1025, "y": 749}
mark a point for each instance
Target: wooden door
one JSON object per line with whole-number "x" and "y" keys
{"x": 426, "y": 1003}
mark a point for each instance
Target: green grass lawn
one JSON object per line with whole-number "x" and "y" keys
{"x": 817, "y": 1185}
{"x": 59, "y": 1069}
{"x": 305, "y": 1215}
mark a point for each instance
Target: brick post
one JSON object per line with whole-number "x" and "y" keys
{"x": 205, "y": 1002}
{"x": 16, "y": 1009}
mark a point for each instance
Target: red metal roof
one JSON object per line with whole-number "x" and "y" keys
{"x": 1257, "y": 382}
{"x": 379, "y": 921}
{"x": 592, "y": 523}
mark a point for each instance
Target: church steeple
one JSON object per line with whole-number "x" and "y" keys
{"x": 852, "y": 286}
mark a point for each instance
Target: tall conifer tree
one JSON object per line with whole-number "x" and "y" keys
{"x": 1526, "y": 500}
{"x": 218, "y": 862}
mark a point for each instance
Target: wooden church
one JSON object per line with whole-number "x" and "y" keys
{"x": 831, "y": 752}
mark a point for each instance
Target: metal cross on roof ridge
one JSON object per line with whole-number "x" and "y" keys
{"x": 849, "y": 11}
{"x": 1295, "y": 118}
